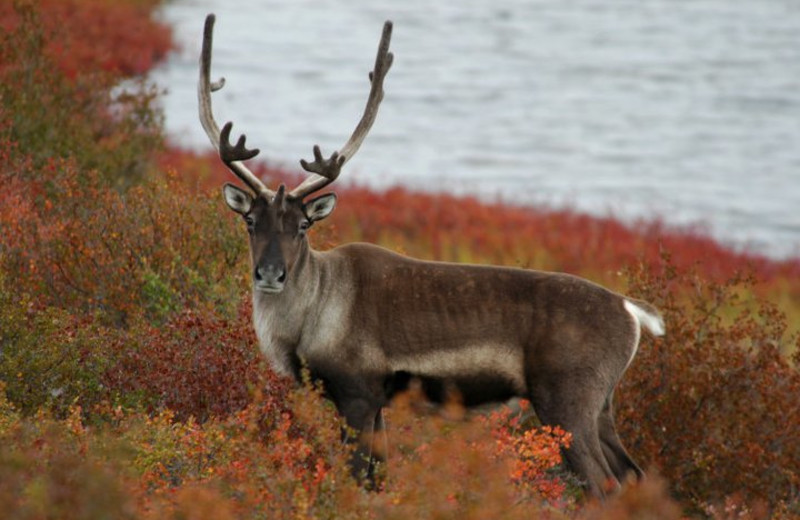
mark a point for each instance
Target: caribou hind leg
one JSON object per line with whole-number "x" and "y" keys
{"x": 585, "y": 456}
{"x": 575, "y": 404}
{"x": 617, "y": 456}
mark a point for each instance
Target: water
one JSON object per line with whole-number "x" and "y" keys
{"x": 683, "y": 110}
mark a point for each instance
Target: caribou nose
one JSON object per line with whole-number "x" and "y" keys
{"x": 270, "y": 274}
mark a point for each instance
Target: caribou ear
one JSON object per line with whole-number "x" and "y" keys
{"x": 237, "y": 199}
{"x": 321, "y": 207}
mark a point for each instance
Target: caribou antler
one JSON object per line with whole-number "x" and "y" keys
{"x": 325, "y": 171}
{"x": 232, "y": 156}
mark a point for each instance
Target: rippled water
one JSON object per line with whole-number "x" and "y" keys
{"x": 685, "y": 110}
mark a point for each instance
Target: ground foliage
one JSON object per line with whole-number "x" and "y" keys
{"x": 131, "y": 385}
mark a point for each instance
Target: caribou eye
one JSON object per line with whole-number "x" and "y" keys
{"x": 304, "y": 225}
{"x": 250, "y": 222}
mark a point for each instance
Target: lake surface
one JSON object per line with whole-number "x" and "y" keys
{"x": 683, "y": 110}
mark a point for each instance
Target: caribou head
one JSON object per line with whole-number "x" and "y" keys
{"x": 277, "y": 221}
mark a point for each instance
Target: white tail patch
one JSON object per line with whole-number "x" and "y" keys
{"x": 647, "y": 317}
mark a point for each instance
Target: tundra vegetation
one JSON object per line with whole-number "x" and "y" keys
{"x": 132, "y": 386}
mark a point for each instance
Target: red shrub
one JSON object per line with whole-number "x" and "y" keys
{"x": 196, "y": 364}
{"x": 48, "y": 115}
{"x": 535, "y": 453}
{"x": 94, "y": 35}
{"x": 714, "y": 404}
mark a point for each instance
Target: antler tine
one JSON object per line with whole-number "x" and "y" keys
{"x": 325, "y": 171}
{"x": 232, "y": 156}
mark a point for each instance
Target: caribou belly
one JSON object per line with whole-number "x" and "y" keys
{"x": 478, "y": 373}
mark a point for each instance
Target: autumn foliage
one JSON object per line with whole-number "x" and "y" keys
{"x": 131, "y": 385}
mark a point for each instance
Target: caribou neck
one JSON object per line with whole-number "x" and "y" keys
{"x": 284, "y": 321}
{"x": 302, "y": 289}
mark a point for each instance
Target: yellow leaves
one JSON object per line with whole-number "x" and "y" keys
{"x": 9, "y": 417}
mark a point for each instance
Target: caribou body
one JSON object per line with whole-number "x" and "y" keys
{"x": 364, "y": 320}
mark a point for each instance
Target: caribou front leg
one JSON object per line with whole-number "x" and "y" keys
{"x": 360, "y": 403}
{"x": 361, "y": 416}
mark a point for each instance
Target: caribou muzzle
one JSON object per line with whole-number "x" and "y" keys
{"x": 269, "y": 278}
{"x": 269, "y": 274}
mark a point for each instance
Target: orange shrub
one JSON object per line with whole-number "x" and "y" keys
{"x": 535, "y": 452}
{"x": 442, "y": 465}
{"x": 713, "y": 403}
{"x": 281, "y": 457}
{"x": 649, "y": 499}
{"x": 155, "y": 249}
{"x": 49, "y": 470}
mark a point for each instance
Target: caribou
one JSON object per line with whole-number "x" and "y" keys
{"x": 364, "y": 320}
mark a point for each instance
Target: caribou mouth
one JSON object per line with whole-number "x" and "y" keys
{"x": 268, "y": 288}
